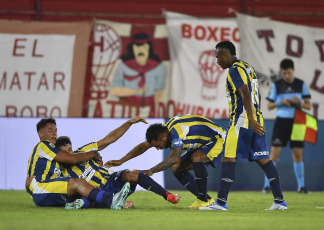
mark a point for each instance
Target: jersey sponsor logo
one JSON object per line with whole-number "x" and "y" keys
{"x": 177, "y": 142}
{"x": 193, "y": 146}
{"x": 261, "y": 153}
{"x": 88, "y": 174}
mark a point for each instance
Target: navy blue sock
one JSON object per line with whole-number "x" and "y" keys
{"x": 101, "y": 197}
{"x": 189, "y": 182}
{"x": 149, "y": 184}
{"x": 273, "y": 176}
{"x": 226, "y": 181}
{"x": 86, "y": 202}
{"x": 201, "y": 176}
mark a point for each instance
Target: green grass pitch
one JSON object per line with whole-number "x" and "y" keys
{"x": 246, "y": 211}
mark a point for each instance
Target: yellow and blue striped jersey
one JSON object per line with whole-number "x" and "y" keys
{"x": 241, "y": 73}
{"x": 192, "y": 131}
{"x": 41, "y": 163}
{"x": 90, "y": 170}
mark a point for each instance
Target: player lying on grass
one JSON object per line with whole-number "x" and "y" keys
{"x": 198, "y": 135}
{"x": 107, "y": 180}
{"x": 45, "y": 182}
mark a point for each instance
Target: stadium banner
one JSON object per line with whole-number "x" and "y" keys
{"x": 198, "y": 83}
{"x": 130, "y": 71}
{"x": 14, "y": 157}
{"x": 265, "y": 42}
{"x": 43, "y": 68}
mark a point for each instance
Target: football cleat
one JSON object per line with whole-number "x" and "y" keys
{"x": 198, "y": 203}
{"x": 118, "y": 198}
{"x": 303, "y": 190}
{"x": 77, "y": 204}
{"x": 278, "y": 206}
{"x": 266, "y": 190}
{"x": 215, "y": 206}
{"x": 174, "y": 199}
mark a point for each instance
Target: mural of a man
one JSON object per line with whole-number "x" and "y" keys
{"x": 140, "y": 77}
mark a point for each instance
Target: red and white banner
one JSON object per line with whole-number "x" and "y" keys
{"x": 264, "y": 43}
{"x": 42, "y": 68}
{"x": 35, "y": 74}
{"x": 198, "y": 83}
{"x": 130, "y": 71}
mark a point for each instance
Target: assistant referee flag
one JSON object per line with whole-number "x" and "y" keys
{"x": 304, "y": 127}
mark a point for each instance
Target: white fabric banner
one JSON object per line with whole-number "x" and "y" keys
{"x": 264, "y": 43}
{"x": 198, "y": 83}
{"x": 35, "y": 74}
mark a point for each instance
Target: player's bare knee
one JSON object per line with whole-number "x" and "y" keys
{"x": 130, "y": 176}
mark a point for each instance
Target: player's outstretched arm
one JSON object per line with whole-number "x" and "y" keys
{"x": 67, "y": 158}
{"x": 167, "y": 163}
{"x": 247, "y": 103}
{"x": 117, "y": 133}
{"x": 136, "y": 151}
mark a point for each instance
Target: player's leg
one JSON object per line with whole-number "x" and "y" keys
{"x": 146, "y": 182}
{"x": 199, "y": 159}
{"x": 92, "y": 194}
{"x": 274, "y": 156}
{"x": 260, "y": 154}
{"x": 233, "y": 137}
{"x": 297, "y": 154}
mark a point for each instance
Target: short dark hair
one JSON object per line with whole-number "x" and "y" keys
{"x": 154, "y": 131}
{"x": 227, "y": 45}
{"x": 42, "y": 123}
{"x": 286, "y": 64}
{"x": 62, "y": 141}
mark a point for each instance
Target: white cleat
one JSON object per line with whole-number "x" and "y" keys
{"x": 214, "y": 206}
{"x": 280, "y": 206}
{"x": 118, "y": 198}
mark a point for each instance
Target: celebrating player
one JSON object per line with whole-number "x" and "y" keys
{"x": 203, "y": 141}
{"x": 45, "y": 182}
{"x": 246, "y": 135}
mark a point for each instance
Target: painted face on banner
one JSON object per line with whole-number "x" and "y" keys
{"x": 141, "y": 53}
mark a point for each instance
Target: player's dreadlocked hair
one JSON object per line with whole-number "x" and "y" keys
{"x": 287, "y": 64}
{"x": 154, "y": 131}
{"x": 62, "y": 141}
{"x": 227, "y": 45}
{"x": 42, "y": 123}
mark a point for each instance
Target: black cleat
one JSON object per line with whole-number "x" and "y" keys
{"x": 265, "y": 190}
{"x": 303, "y": 190}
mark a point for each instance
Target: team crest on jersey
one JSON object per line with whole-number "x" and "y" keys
{"x": 52, "y": 145}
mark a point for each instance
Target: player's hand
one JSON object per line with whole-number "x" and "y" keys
{"x": 28, "y": 181}
{"x": 286, "y": 102}
{"x": 113, "y": 163}
{"x": 256, "y": 127}
{"x": 137, "y": 119}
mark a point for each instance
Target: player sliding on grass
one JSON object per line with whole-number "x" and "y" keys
{"x": 110, "y": 182}
{"x": 203, "y": 142}
{"x": 45, "y": 182}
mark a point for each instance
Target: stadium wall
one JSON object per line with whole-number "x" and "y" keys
{"x": 18, "y": 136}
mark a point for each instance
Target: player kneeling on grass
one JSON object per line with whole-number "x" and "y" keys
{"x": 107, "y": 180}
{"x": 203, "y": 142}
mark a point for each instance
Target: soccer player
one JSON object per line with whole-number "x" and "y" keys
{"x": 246, "y": 135}
{"x": 111, "y": 182}
{"x": 286, "y": 94}
{"x": 203, "y": 141}
{"x": 47, "y": 185}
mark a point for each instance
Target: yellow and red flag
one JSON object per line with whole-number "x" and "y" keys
{"x": 304, "y": 127}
